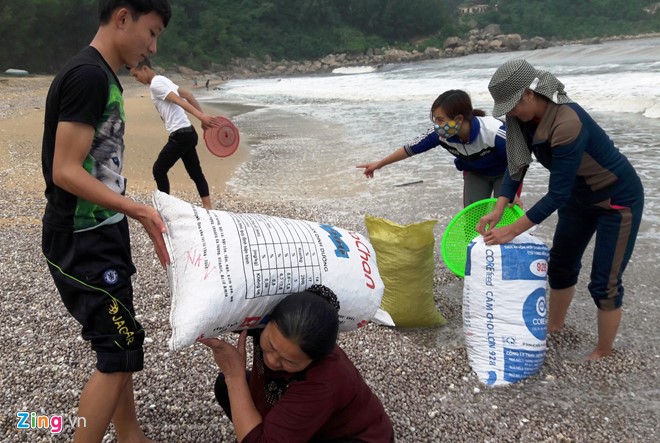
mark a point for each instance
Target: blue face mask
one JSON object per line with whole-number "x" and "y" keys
{"x": 448, "y": 129}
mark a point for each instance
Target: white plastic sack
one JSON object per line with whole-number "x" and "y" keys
{"x": 504, "y": 308}
{"x": 228, "y": 270}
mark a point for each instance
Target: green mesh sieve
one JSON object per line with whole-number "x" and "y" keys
{"x": 460, "y": 231}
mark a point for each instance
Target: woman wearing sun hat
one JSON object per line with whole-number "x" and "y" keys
{"x": 592, "y": 185}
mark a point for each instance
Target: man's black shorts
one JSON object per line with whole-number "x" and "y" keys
{"x": 92, "y": 271}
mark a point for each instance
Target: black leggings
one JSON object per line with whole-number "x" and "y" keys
{"x": 181, "y": 144}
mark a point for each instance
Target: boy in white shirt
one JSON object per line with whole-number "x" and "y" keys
{"x": 172, "y": 101}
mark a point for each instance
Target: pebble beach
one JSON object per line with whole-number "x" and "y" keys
{"x": 422, "y": 376}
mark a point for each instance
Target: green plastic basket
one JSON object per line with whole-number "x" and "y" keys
{"x": 460, "y": 231}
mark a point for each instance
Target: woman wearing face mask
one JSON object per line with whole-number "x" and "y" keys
{"x": 302, "y": 386}
{"x": 477, "y": 141}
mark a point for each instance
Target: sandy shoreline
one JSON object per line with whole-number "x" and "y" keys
{"x": 21, "y": 122}
{"x": 422, "y": 376}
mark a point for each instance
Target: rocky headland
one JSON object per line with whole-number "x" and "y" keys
{"x": 487, "y": 40}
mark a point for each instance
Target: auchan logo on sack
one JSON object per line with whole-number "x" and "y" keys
{"x": 365, "y": 255}
{"x": 342, "y": 251}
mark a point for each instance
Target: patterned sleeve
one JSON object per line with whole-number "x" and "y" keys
{"x": 422, "y": 143}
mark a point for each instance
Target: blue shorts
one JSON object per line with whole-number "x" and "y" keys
{"x": 92, "y": 271}
{"x": 616, "y": 230}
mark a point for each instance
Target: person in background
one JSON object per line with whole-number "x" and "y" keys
{"x": 592, "y": 185}
{"x": 477, "y": 141}
{"x": 302, "y": 386}
{"x": 85, "y": 229}
{"x": 172, "y": 101}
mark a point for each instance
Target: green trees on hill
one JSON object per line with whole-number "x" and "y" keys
{"x": 204, "y": 31}
{"x": 39, "y": 35}
{"x": 573, "y": 19}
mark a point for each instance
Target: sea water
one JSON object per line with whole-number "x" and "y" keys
{"x": 309, "y": 133}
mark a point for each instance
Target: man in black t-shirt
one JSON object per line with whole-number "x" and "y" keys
{"x": 85, "y": 229}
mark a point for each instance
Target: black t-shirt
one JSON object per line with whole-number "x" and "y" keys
{"x": 87, "y": 91}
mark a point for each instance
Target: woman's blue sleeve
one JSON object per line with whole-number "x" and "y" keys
{"x": 423, "y": 143}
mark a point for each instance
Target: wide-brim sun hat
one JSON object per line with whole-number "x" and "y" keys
{"x": 508, "y": 83}
{"x": 461, "y": 231}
